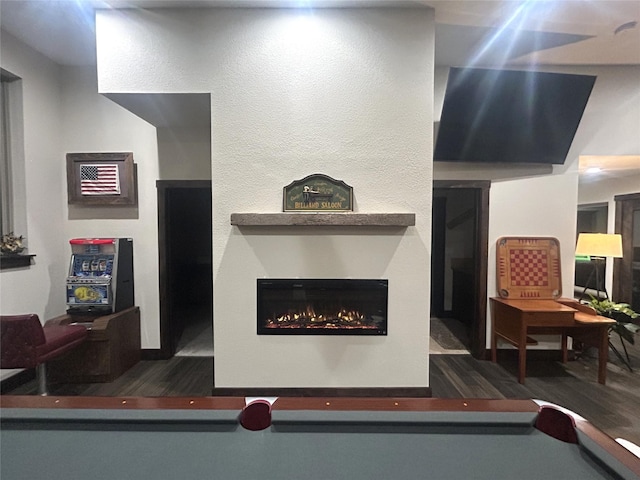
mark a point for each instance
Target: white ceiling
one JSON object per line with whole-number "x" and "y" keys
{"x": 487, "y": 32}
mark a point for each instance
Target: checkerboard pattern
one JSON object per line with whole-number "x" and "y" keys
{"x": 528, "y": 267}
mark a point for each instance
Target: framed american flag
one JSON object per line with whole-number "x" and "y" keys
{"x": 101, "y": 179}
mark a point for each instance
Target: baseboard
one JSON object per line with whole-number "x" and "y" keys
{"x": 153, "y": 354}
{"x": 411, "y": 392}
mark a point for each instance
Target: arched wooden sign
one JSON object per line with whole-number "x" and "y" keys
{"x": 318, "y": 193}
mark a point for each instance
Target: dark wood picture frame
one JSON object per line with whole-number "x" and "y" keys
{"x": 126, "y": 177}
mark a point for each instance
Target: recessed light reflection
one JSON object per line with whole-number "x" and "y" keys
{"x": 593, "y": 170}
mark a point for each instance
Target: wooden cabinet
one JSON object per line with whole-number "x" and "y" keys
{"x": 112, "y": 347}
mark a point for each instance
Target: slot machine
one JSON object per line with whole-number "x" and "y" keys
{"x": 100, "y": 277}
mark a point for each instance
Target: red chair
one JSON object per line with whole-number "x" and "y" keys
{"x": 25, "y": 343}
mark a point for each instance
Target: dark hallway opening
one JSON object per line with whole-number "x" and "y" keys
{"x": 186, "y": 280}
{"x": 459, "y": 261}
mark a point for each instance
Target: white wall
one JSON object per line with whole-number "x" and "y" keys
{"x": 343, "y": 92}
{"x": 540, "y": 207}
{"x": 38, "y": 289}
{"x": 184, "y": 153}
{"x": 93, "y": 123}
{"x": 602, "y": 189}
{"x": 63, "y": 113}
{"x": 542, "y": 200}
{"x": 534, "y": 207}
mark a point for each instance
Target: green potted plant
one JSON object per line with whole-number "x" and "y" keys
{"x": 624, "y": 327}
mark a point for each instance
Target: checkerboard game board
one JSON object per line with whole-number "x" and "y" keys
{"x": 528, "y": 267}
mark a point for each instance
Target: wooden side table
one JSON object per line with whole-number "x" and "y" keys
{"x": 514, "y": 320}
{"x": 112, "y": 347}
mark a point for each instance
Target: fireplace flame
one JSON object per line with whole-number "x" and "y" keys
{"x": 308, "y": 318}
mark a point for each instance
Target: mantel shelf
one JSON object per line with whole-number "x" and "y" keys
{"x": 323, "y": 219}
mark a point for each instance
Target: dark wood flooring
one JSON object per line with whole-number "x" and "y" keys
{"x": 177, "y": 377}
{"x": 614, "y": 407}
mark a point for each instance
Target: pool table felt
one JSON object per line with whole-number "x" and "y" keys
{"x": 330, "y": 438}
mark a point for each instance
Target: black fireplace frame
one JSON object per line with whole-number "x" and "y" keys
{"x": 380, "y": 286}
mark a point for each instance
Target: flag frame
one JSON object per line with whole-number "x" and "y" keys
{"x": 127, "y": 195}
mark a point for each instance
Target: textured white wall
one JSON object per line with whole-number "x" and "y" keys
{"x": 351, "y": 99}
{"x": 534, "y": 207}
{"x": 184, "y": 153}
{"x": 345, "y": 92}
{"x": 38, "y": 289}
{"x": 63, "y": 112}
{"x": 93, "y": 123}
{"x": 611, "y": 123}
{"x": 602, "y": 189}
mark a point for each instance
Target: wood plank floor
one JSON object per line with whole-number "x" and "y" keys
{"x": 614, "y": 407}
{"x": 176, "y": 377}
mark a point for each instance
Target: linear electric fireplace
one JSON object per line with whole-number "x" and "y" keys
{"x": 322, "y": 307}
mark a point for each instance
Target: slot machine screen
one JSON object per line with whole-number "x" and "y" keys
{"x": 99, "y": 265}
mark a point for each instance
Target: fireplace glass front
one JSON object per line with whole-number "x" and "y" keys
{"x": 322, "y": 307}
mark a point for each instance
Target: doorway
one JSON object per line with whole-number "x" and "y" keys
{"x": 186, "y": 278}
{"x": 591, "y": 218}
{"x": 459, "y": 262}
{"x": 626, "y": 270}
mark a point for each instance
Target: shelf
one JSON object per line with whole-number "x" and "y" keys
{"x": 15, "y": 261}
{"x": 323, "y": 219}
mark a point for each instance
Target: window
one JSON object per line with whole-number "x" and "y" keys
{"x": 12, "y": 184}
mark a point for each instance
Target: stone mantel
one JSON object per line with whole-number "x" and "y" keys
{"x": 323, "y": 219}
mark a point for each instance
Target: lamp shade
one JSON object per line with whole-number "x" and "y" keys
{"x": 599, "y": 245}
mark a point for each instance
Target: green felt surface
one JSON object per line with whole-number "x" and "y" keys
{"x": 205, "y": 444}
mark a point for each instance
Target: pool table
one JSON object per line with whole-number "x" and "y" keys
{"x": 310, "y": 438}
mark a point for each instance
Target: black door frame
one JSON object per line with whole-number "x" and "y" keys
{"x": 626, "y": 205}
{"x": 167, "y": 341}
{"x": 438, "y": 261}
{"x": 478, "y": 334}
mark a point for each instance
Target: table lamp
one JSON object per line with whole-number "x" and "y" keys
{"x": 598, "y": 246}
